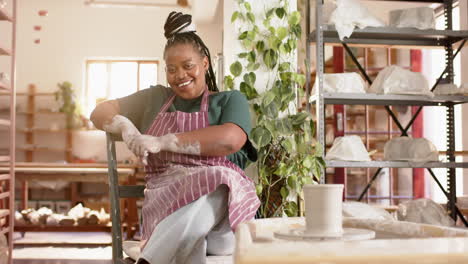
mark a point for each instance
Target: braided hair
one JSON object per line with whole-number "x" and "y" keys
{"x": 178, "y": 29}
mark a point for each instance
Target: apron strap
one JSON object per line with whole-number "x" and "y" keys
{"x": 167, "y": 104}
{"x": 204, "y": 102}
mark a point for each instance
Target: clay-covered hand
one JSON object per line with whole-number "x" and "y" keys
{"x": 140, "y": 145}
{"x": 121, "y": 124}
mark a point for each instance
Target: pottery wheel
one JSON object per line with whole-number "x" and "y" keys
{"x": 349, "y": 234}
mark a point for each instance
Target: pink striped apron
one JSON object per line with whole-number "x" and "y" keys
{"x": 174, "y": 180}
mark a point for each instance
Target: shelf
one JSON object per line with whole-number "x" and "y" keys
{"x": 4, "y": 212}
{"x": 4, "y": 15}
{"x": 4, "y": 122}
{"x": 394, "y": 36}
{"x": 393, "y": 164}
{"x": 4, "y": 158}
{"x": 35, "y": 94}
{"x": 390, "y": 99}
{"x": 75, "y": 228}
{"x": 4, "y": 177}
{"x": 4, "y": 88}
{"x": 4, "y": 51}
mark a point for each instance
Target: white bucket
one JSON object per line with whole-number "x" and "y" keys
{"x": 323, "y": 210}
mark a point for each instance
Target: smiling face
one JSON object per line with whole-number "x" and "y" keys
{"x": 185, "y": 70}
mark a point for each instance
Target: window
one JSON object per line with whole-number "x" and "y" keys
{"x": 110, "y": 79}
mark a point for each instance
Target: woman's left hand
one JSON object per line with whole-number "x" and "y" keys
{"x": 139, "y": 144}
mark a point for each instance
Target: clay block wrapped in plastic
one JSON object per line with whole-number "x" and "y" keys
{"x": 424, "y": 211}
{"x": 348, "y": 148}
{"x": 350, "y": 14}
{"x": 396, "y": 80}
{"x": 419, "y": 17}
{"x": 410, "y": 149}
{"x": 365, "y": 211}
{"x": 447, "y": 89}
{"x": 342, "y": 83}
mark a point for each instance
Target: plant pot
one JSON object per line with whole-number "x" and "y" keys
{"x": 323, "y": 210}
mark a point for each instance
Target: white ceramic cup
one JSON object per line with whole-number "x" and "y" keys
{"x": 323, "y": 210}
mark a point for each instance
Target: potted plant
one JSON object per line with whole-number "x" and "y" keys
{"x": 288, "y": 157}
{"x": 67, "y": 101}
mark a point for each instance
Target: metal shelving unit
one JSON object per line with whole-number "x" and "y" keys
{"x": 7, "y": 186}
{"x": 448, "y": 39}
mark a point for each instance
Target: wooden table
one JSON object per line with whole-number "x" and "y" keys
{"x": 72, "y": 172}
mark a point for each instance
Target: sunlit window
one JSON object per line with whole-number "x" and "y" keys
{"x": 109, "y": 79}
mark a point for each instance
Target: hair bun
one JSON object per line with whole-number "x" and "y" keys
{"x": 177, "y": 22}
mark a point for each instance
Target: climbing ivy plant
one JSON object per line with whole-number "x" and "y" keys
{"x": 283, "y": 136}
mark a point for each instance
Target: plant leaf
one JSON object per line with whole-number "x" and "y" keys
{"x": 284, "y": 192}
{"x": 270, "y": 57}
{"x": 280, "y": 12}
{"x": 229, "y": 82}
{"x": 281, "y": 32}
{"x": 236, "y": 68}
{"x": 294, "y": 18}
{"x": 247, "y": 6}
{"x": 251, "y": 17}
{"x": 260, "y": 46}
{"x": 260, "y": 136}
{"x": 234, "y": 16}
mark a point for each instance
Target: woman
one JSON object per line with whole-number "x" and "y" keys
{"x": 195, "y": 146}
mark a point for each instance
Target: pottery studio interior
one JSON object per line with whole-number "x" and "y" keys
{"x": 347, "y": 145}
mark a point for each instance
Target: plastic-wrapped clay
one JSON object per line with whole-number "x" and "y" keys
{"x": 54, "y": 219}
{"x": 350, "y": 14}
{"x": 77, "y": 212}
{"x": 410, "y": 149}
{"x": 104, "y": 217}
{"x": 364, "y": 210}
{"x": 19, "y": 219}
{"x": 44, "y": 213}
{"x": 424, "y": 211}
{"x": 342, "y": 83}
{"x": 396, "y": 80}
{"x": 348, "y": 148}
{"x": 418, "y": 17}
{"x": 447, "y": 89}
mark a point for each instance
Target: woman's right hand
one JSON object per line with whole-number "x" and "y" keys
{"x": 121, "y": 124}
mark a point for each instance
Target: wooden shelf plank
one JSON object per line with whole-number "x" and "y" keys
{"x": 4, "y": 230}
{"x": 4, "y": 195}
{"x": 75, "y": 228}
{"x": 5, "y": 88}
{"x": 4, "y": 51}
{"x": 4, "y": 177}
{"x": 4, "y": 122}
{"x": 4, "y": 158}
{"x": 35, "y": 94}
{"x": 4, "y": 212}
{"x": 4, "y": 15}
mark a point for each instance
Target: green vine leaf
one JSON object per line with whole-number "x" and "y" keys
{"x": 261, "y": 136}
{"x": 236, "y": 68}
{"x": 234, "y": 16}
{"x": 251, "y": 17}
{"x": 247, "y": 6}
{"x": 260, "y": 46}
{"x": 282, "y": 32}
{"x": 229, "y": 82}
{"x": 270, "y": 57}
{"x": 294, "y": 18}
{"x": 280, "y": 12}
{"x": 243, "y": 35}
